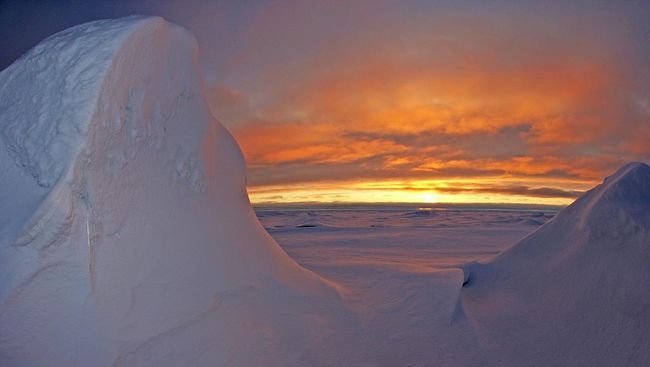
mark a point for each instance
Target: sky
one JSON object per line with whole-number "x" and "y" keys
{"x": 409, "y": 101}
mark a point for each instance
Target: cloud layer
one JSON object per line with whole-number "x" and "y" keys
{"x": 554, "y": 98}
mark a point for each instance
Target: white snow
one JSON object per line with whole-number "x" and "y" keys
{"x": 575, "y": 292}
{"x": 127, "y": 239}
{"x": 126, "y": 235}
{"x": 398, "y": 269}
{"x": 396, "y": 237}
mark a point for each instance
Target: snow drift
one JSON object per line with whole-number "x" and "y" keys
{"x": 126, "y": 235}
{"x": 575, "y": 292}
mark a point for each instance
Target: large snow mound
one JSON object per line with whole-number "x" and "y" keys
{"x": 575, "y": 292}
{"x": 126, "y": 235}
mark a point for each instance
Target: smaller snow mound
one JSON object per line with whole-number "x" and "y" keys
{"x": 573, "y": 292}
{"x": 309, "y": 225}
{"x": 420, "y": 214}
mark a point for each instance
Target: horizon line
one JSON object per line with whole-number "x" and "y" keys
{"x": 412, "y": 205}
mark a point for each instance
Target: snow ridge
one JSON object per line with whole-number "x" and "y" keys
{"x": 35, "y": 137}
{"x": 129, "y": 227}
{"x": 573, "y": 292}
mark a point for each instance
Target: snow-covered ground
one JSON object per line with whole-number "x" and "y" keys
{"x": 127, "y": 240}
{"x": 396, "y": 237}
{"x": 398, "y": 269}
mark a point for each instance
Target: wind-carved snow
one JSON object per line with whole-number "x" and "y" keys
{"x": 575, "y": 292}
{"x": 36, "y": 138}
{"x": 127, "y": 239}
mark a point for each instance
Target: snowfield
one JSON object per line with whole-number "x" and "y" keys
{"x": 397, "y": 237}
{"x": 127, "y": 239}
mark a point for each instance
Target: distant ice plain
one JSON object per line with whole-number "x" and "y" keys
{"x": 323, "y": 239}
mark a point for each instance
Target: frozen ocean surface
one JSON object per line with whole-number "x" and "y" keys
{"x": 397, "y": 237}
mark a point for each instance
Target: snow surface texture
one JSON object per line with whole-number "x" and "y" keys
{"x": 575, "y": 292}
{"x": 398, "y": 270}
{"x": 127, "y": 239}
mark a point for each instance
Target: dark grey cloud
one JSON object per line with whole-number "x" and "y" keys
{"x": 543, "y": 192}
{"x": 285, "y": 173}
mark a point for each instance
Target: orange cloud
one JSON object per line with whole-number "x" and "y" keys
{"x": 467, "y": 98}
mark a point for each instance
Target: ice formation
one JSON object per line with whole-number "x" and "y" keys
{"x": 126, "y": 235}
{"x": 575, "y": 292}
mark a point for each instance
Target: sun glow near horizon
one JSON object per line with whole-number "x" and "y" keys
{"x": 419, "y": 191}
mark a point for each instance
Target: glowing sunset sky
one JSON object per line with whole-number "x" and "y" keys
{"x": 411, "y": 101}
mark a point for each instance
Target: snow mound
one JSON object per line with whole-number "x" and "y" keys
{"x": 127, "y": 237}
{"x": 575, "y": 292}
